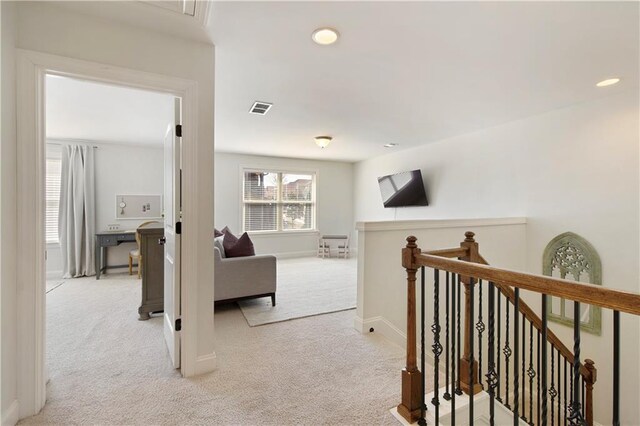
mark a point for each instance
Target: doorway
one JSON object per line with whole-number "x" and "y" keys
{"x": 32, "y": 70}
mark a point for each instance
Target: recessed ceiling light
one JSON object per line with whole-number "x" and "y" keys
{"x": 390, "y": 145}
{"x": 608, "y": 82}
{"x": 325, "y": 36}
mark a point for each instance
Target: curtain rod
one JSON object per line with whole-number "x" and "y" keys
{"x": 63, "y": 144}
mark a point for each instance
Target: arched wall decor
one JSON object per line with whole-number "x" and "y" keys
{"x": 569, "y": 256}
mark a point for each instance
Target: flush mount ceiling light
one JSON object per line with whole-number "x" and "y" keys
{"x": 325, "y": 36}
{"x": 390, "y": 145}
{"x": 608, "y": 82}
{"x": 323, "y": 141}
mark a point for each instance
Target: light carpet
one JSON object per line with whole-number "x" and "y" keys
{"x": 106, "y": 367}
{"x": 306, "y": 287}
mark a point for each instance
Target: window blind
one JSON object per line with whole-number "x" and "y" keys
{"x": 52, "y": 198}
{"x": 278, "y": 201}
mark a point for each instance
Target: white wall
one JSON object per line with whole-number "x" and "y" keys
{"x": 334, "y": 194}
{"x": 46, "y": 28}
{"x": 8, "y": 217}
{"x": 119, "y": 169}
{"x": 573, "y": 169}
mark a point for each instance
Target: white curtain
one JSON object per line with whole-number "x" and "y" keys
{"x": 76, "y": 222}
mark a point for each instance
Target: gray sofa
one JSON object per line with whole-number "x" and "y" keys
{"x": 248, "y": 277}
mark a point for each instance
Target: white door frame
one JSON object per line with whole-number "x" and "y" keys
{"x": 32, "y": 68}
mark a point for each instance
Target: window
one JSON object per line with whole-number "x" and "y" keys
{"x": 278, "y": 201}
{"x": 52, "y": 199}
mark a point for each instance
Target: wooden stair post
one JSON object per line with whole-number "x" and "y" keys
{"x": 466, "y": 380}
{"x": 412, "y": 396}
{"x": 589, "y": 381}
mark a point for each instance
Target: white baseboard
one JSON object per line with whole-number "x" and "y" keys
{"x": 54, "y": 275}
{"x": 11, "y": 416}
{"x": 205, "y": 363}
{"x": 295, "y": 254}
{"x": 382, "y": 326}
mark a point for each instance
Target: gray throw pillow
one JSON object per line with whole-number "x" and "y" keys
{"x": 218, "y": 242}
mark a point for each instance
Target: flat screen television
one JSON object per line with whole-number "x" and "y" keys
{"x": 403, "y": 189}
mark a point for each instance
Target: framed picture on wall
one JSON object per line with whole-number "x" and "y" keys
{"x": 138, "y": 206}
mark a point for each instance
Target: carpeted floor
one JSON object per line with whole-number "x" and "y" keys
{"x": 306, "y": 286}
{"x": 106, "y": 367}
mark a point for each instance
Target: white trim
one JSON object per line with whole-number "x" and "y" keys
{"x": 206, "y": 363}
{"x": 103, "y": 144}
{"x": 288, "y": 233}
{"x": 10, "y": 417}
{"x": 32, "y": 68}
{"x": 399, "y": 225}
{"x": 382, "y": 326}
{"x": 296, "y": 254}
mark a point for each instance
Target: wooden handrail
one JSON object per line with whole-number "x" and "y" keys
{"x": 618, "y": 300}
{"x": 537, "y": 323}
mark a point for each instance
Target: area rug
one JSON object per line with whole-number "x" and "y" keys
{"x": 306, "y": 287}
{"x": 53, "y": 284}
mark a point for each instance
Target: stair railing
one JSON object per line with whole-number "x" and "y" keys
{"x": 563, "y": 387}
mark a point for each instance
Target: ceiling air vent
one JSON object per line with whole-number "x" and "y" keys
{"x": 260, "y": 108}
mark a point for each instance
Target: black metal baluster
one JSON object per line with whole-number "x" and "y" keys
{"x": 522, "y": 376}
{"x": 559, "y": 389}
{"x": 447, "y": 395}
{"x": 458, "y": 389}
{"x": 567, "y": 402}
{"x": 552, "y": 389}
{"x": 423, "y": 407}
{"x": 436, "y": 347}
{"x": 575, "y": 412}
{"x": 543, "y": 419}
{"x": 471, "y": 349}
{"x": 616, "y": 368}
{"x": 453, "y": 349}
{"x": 538, "y": 378}
{"x": 516, "y": 356}
{"x": 492, "y": 377}
{"x": 531, "y": 373}
{"x": 507, "y": 352}
{"x": 480, "y": 327}
{"x": 498, "y": 357}
{"x": 566, "y": 405}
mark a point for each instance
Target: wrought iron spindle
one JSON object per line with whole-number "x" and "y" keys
{"x": 447, "y": 395}
{"x": 522, "y": 376}
{"x": 453, "y": 349}
{"x": 498, "y": 357}
{"x": 458, "y": 389}
{"x": 507, "y": 352}
{"x": 516, "y": 356}
{"x": 538, "y": 378}
{"x": 552, "y": 390}
{"x": 436, "y": 347}
{"x": 531, "y": 373}
{"x": 616, "y": 368}
{"x": 559, "y": 401}
{"x": 423, "y": 407}
{"x": 575, "y": 412}
{"x": 480, "y": 327}
{"x": 492, "y": 377}
{"x": 566, "y": 406}
{"x": 567, "y": 402}
{"x": 543, "y": 373}
{"x": 471, "y": 349}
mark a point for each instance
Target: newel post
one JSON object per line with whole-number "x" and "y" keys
{"x": 589, "y": 364}
{"x": 409, "y": 408}
{"x": 465, "y": 379}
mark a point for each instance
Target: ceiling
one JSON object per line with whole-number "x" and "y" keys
{"x": 83, "y": 110}
{"x": 407, "y": 72}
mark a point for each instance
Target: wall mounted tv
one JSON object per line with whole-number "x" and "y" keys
{"x": 403, "y": 189}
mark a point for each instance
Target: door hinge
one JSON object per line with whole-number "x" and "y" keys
{"x": 178, "y": 326}
{"x": 179, "y": 130}
{"x": 178, "y": 227}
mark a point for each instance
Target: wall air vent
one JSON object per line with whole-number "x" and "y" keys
{"x": 260, "y": 108}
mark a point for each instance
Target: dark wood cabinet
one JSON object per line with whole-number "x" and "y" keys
{"x": 152, "y": 267}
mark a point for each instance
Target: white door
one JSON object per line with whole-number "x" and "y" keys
{"x": 172, "y": 225}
